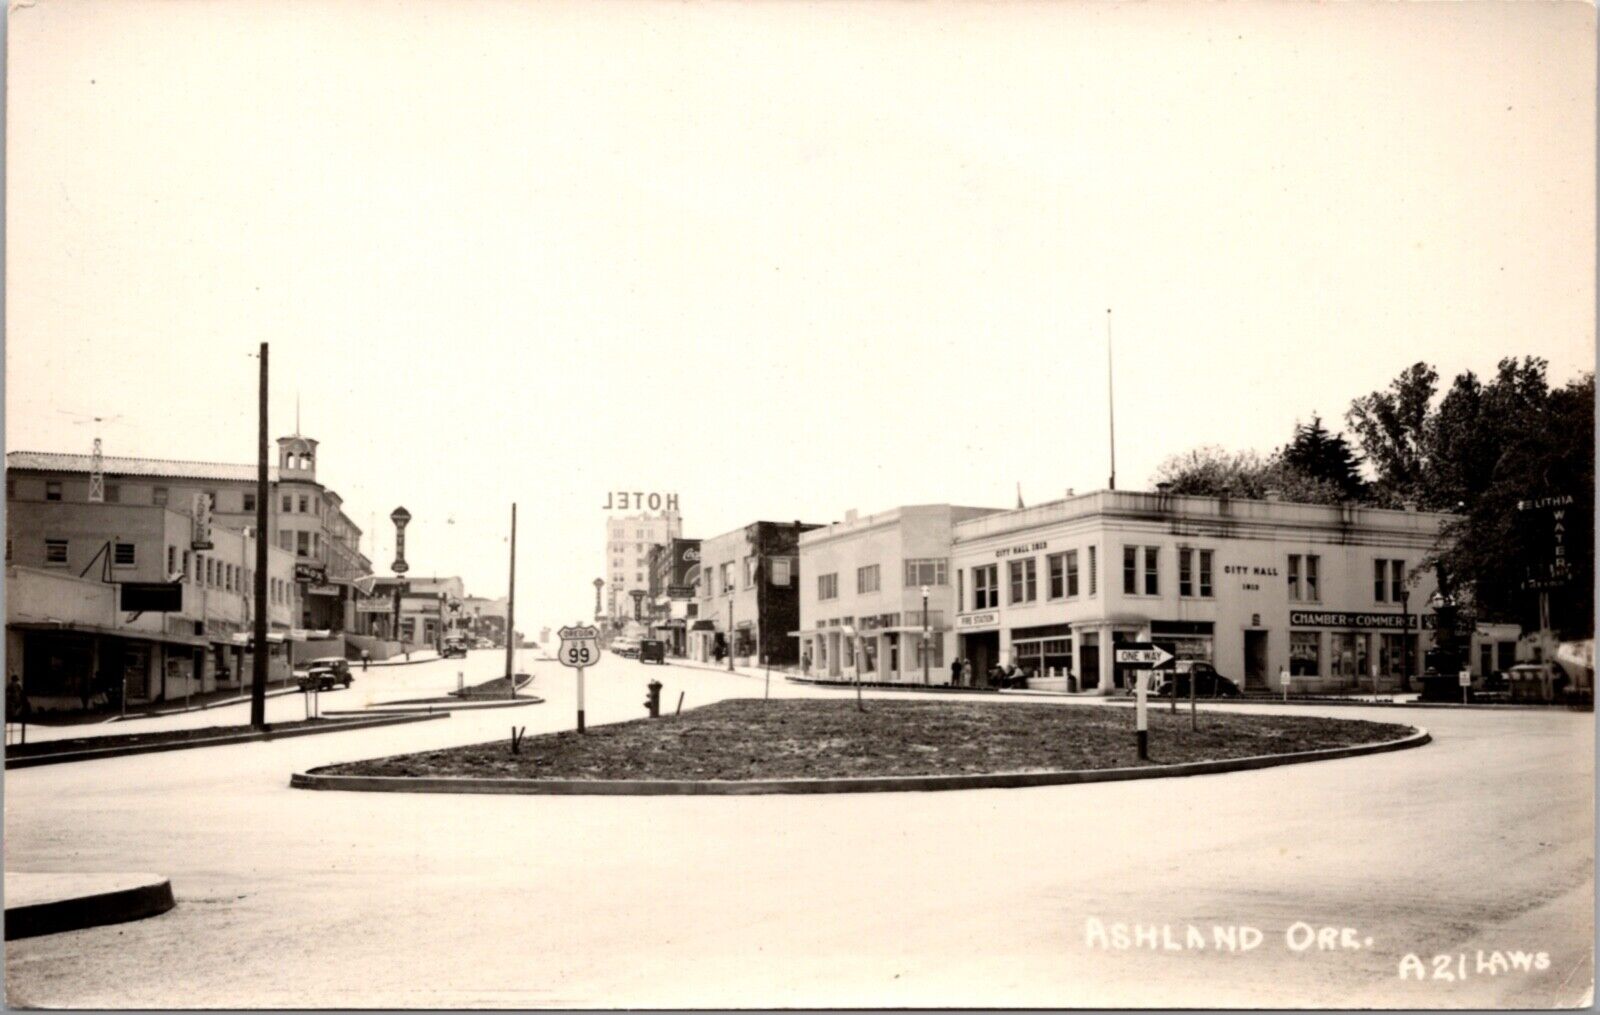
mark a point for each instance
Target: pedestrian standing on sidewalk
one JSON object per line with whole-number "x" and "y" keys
{"x": 955, "y": 673}
{"x": 366, "y": 657}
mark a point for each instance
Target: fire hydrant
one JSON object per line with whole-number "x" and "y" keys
{"x": 653, "y": 701}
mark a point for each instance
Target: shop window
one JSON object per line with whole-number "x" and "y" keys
{"x": 122, "y": 555}
{"x": 1347, "y": 656}
{"x": 1024, "y": 576}
{"x": 827, "y": 586}
{"x": 52, "y": 491}
{"x": 867, "y": 578}
{"x": 986, "y": 587}
{"x": 55, "y": 552}
{"x": 934, "y": 649}
{"x": 1305, "y": 653}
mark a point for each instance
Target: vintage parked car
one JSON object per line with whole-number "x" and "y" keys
{"x": 1208, "y": 683}
{"x": 454, "y": 648}
{"x": 627, "y": 648}
{"x": 325, "y": 674}
{"x": 653, "y": 650}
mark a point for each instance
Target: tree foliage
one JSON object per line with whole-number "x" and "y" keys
{"x": 1477, "y": 451}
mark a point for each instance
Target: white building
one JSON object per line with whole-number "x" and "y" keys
{"x": 1255, "y": 587}
{"x": 861, "y": 594}
{"x": 628, "y": 542}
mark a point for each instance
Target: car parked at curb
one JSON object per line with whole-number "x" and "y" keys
{"x": 627, "y": 648}
{"x": 653, "y": 650}
{"x": 1208, "y": 682}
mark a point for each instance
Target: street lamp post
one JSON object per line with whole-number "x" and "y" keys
{"x": 599, "y": 583}
{"x": 924, "y": 635}
{"x": 400, "y": 516}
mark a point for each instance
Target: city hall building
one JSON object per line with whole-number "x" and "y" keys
{"x": 1256, "y": 587}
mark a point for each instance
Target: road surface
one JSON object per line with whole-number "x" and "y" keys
{"x": 1017, "y": 897}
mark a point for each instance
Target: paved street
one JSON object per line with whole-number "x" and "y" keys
{"x": 1481, "y": 840}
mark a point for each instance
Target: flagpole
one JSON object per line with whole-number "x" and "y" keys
{"x": 1111, "y": 405}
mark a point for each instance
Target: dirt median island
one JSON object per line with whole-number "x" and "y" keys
{"x": 747, "y": 739}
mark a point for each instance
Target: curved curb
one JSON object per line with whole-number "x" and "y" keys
{"x": 77, "y": 913}
{"x": 873, "y": 784}
{"x": 95, "y": 753}
{"x": 439, "y": 708}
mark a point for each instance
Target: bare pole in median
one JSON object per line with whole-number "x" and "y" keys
{"x": 258, "y": 662}
{"x": 511, "y": 608}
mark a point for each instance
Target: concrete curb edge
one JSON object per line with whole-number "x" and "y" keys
{"x": 875, "y": 784}
{"x": 96, "y": 753}
{"x": 84, "y": 911}
{"x": 438, "y": 707}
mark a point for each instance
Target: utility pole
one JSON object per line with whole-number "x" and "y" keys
{"x": 730, "y": 632}
{"x": 258, "y": 661}
{"x": 511, "y": 608}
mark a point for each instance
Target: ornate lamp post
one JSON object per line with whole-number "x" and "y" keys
{"x": 400, "y": 516}
{"x": 599, "y": 583}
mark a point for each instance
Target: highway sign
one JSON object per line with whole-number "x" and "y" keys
{"x": 1143, "y": 654}
{"x": 580, "y": 646}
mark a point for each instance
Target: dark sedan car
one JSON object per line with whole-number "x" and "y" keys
{"x": 1208, "y": 683}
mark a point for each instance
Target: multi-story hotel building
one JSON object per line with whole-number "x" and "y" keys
{"x": 628, "y": 542}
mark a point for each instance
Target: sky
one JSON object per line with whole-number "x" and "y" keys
{"x": 781, "y": 259}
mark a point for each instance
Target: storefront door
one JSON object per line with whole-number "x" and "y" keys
{"x": 1255, "y": 660}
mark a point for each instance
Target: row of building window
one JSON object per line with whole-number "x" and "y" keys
{"x": 1141, "y": 575}
{"x": 1062, "y": 572}
{"x": 918, "y": 572}
{"x": 160, "y": 496}
{"x": 780, "y": 571}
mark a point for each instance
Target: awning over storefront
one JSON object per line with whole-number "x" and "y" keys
{"x": 273, "y": 638}
{"x": 703, "y": 625}
{"x": 109, "y": 632}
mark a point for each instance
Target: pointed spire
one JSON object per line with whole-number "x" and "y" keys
{"x": 1020, "y": 505}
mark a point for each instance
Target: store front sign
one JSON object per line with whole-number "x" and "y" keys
{"x": 977, "y": 621}
{"x": 1365, "y": 621}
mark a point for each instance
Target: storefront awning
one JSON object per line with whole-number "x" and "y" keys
{"x": 703, "y": 625}
{"x": 109, "y": 632}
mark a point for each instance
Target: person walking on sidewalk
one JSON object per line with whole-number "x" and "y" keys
{"x": 366, "y": 657}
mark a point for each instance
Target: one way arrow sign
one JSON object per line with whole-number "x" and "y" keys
{"x": 1144, "y": 654}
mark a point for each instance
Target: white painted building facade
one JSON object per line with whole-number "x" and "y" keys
{"x": 1255, "y": 587}
{"x": 861, "y": 595}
